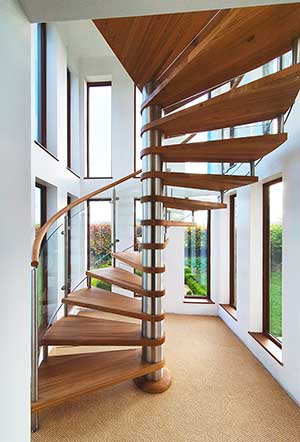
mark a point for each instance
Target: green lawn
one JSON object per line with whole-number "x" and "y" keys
{"x": 275, "y": 304}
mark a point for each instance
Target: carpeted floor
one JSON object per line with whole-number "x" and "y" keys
{"x": 220, "y": 393}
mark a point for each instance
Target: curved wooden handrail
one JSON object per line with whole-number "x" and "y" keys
{"x": 44, "y": 229}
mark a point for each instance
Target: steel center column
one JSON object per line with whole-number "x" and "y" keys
{"x": 152, "y": 234}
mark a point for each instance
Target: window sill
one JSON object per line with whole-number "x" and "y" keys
{"x": 72, "y": 171}
{"x": 268, "y": 345}
{"x": 195, "y": 300}
{"x": 46, "y": 150}
{"x": 230, "y": 310}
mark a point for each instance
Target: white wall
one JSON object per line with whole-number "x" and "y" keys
{"x": 284, "y": 162}
{"x": 51, "y": 171}
{"x": 16, "y": 222}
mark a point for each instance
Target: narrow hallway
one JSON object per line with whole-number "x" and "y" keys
{"x": 220, "y": 393}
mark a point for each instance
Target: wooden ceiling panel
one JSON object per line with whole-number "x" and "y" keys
{"x": 147, "y": 45}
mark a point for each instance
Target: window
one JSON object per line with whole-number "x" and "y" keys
{"x": 232, "y": 251}
{"x": 197, "y": 256}
{"x": 40, "y": 219}
{"x": 272, "y": 260}
{"x": 137, "y": 128}
{"x": 99, "y": 237}
{"x": 99, "y": 130}
{"x": 69, "y": 121}
{"x": 41, "y": 83}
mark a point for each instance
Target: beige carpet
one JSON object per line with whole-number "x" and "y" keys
{"x": 220, "y": 393}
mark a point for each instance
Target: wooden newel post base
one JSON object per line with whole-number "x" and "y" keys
{"x": 155, "y": 387}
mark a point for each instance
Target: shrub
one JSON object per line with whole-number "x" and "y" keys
{"x": 196, "y": 288}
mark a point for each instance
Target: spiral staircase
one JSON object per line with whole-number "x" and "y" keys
{"x": 174, "y": 59}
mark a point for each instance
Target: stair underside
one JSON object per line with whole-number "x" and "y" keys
{"x": 236, "y": 41}
{"x": 62, "y": 378}
{"x": 186, "y": 204}
{"x": 121, "y": 278}
{"x": 261, "y": 100}
{"x": 83, "y": 330}
{"x": 135, "y": 40}
{"x": 232, "y": 150}
{"x": 102, "y": 300}
{"x": 202, "y": 181}
{"x": 167, "y": 223}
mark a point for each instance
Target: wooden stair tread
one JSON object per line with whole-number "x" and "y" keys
{"x": 233, "y": 43}
{"x": 187, "y": 204}
{"x": 62, "y": 378}
{"x": 119, "y": 277}
{"x": 261, "y": 100}
{"x": 131, "y": 258}
{"x": 232, "y": 150}
{"x": 84, "y": 330}
{"x": 202, "y": 181}
{"x": 103, "y": 300}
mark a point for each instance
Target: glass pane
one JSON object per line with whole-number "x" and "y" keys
{"x": 51, "y": 261}
{"x": 99, "y": 131}
{"x": 100, "y": 238}
{"x": 275, "y": 260}
{"x": 196, "y": 256}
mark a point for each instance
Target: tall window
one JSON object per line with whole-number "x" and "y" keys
{"x": 272, "y": 260}
{"x": 197, "y": 256}
{"x": 233, "y": 251}
{"x": 69, "y": 121}
{"x": 41, "y": 83}
{"x": 99, "y": 237}
{"x": 40, "y": 219}
{"x": 99, "y": 130}
{"x": 137, "y": 128}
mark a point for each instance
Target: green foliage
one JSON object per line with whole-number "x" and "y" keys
{"x": 196, "y": 260}
{"x": 276, "y": 304}
{"x": 195, "y": 287}
{"x": 100, "y": 243}
{"x": 276, "y": 246}
{"x": 101, "y": 284}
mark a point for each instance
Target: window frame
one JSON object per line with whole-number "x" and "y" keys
{"x": 232, "y": 251}
{"x": 208, "y": 296}
{"x": 42, "y": 86}
{"x": 266, "y": 260}
{"x": 88, "y": 86}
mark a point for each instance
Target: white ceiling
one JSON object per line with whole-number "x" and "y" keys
{"x": 62, "y": 10}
